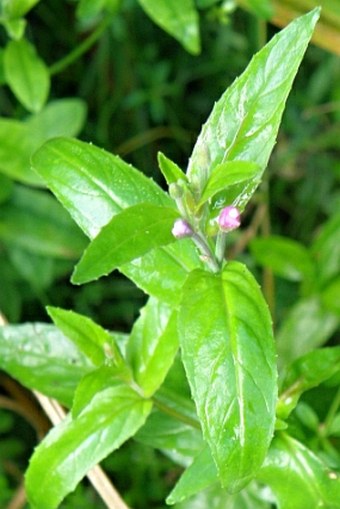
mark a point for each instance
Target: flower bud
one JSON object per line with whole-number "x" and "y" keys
{"x": 229, "y": 218}
{"x": 181, "y": 229}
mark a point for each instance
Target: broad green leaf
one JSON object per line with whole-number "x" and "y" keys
{"x": 73, "y": 447}
{"x": 201, "y": 474}
{"x": 307, "y": 325}
{"x": 303, "y": 374}
{"x": 91, "y": 339}
{"x": 17, "y": 8}
{"x": 286, "y": 257}
{"x": 93, "y": 186}
{"x": 226, "y": 175}
{"x": 243, "y": 124}
{"x": 171, "y": 172}
{"x": 326, "y": 250}
{"x": 179, "y": 19}
{"x": 19, "y": 140}
{"x": 34, "y": 221}
{"x": 334, "y": 428}
{"x": 26, "y": 74}
{"x": 129, "y": 235}
{"x": 298, "y": 478}
{"x": 152, "y": 345}
{"x": 171, "y": 435}
{"x": 228, "y": 352}
{"x": 41, "y": 358}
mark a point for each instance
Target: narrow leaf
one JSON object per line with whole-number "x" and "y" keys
{"x": 171, "y": 172}
{"x": 93, "y": 186}
{"x": 128, "y": 235}
{"x": 226, "y": 175}
{"x": 152, "y": 345}
{"x": 178, "y": 19}
{"x": 41, "y": 358}
{"x": 91, "y": 339}
{"x": 26, "y": 74}
{"x": 326, "y": 250}
{"x": 228, "y": 353}
{"x": 74, "y": 446}
{"x": 244, "y": 122}
{"x": 298, "y": 478}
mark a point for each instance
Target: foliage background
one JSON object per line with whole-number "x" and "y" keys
{"x": 144, "y": 93}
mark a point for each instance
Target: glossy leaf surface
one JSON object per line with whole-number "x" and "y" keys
{"x": 129, "y": 235}
{"x": 178, "y": 19}
{"x": 286, "y": 257}
{"x": 226, "y": 175}
{"x": 305, "y": 373}
{"x": 308, "y": 325}
{"x": 41, "y": 358}
{"x": 152, "y": 345}
{"x": 228, "y": 353}
{"x": 171, "y": 172}
{"x": 26, "y": 74}
{"x": 75, "y": 446}
{"x": 91, "y": 339}
{"x": 298, "y": 478}
{"x": 93, "y": 186}
{"x": 244, "y": 122}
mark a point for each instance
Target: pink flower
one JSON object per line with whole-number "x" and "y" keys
{"x": 181, "y": 229}
{"x": 229, "y": 218}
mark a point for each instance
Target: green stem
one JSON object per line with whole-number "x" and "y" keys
{"x": 64, "y": 62}
{"x": 333, "y": 409}
{"x": 206, "y": 252}
{"x": 174, "y": 413}
{"x": 221, "y": 241}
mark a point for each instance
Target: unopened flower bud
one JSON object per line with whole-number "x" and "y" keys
{"x": 229, "y": 219}
{"x": 181, "y": 229}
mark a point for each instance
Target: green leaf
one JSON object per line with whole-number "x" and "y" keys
{"x": 330, "y": 296}
{"x": 74, "y": 446}
{"x": 298, "y": 478}
{"x": 228, "y": 353}
{"x": 19, "y": 140}
{"x": 226, "y": 175}
{"x": 87, "y": 9}
{"x": 307, "y": 372}
{"x": 15, "y": 27}
{"x": 41, "y": 358}
{"x": 26, "y": 74}
{"x": 168, "y": 433}
{"x": 326, "y": 250}
{"x": 286, "y": 257}
{"x": 17, "y": 8}
{"x": 262, "y": 8}
{"x": 91, "y": 339}
{"x": 178, "y": 19}
{"x": 307, "y": 326}
{"x": 243, "y": 124}
{"x": 201, "y": 474}
{"x": 6, "y": 188}
{"x": 93, "y": 186}
{"x": 152, "y": 345}
{"x": 171, "y": 172}
{"x": 34, "y": 221}
{"x": 129, "y": 235}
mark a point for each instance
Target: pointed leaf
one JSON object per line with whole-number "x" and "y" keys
{"x": 298, "y": 478}
{"x": 226, "y": 175}
{"x": 128, "y": 235}
{"x": 244, "y": 122}
{"x": 171, "y": 172}
{"x": 326, "y": 250}
{"x": 228, "y": 353}
{"x": 41, "y": 358}
{"x": 17, "y": 8}
{"x": 26, "y": 74}
{"x": 307, "y": 372}
{"x": 93, "y": 186}
{"x": 178, "y": 19}
{"x": 152, "y": 345}
{"x": 91, "y": 339}
{"x": 73, "y": 447}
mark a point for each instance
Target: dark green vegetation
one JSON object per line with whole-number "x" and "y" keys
{"x": 108, "y": 75}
